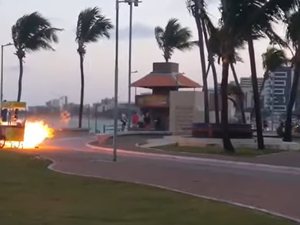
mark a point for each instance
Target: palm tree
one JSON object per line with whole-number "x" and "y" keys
{"x": 272, "y": 59}
{"x": 172, "y": 37}
{"x": 293, "y": 36}
{"x": 32, "y": 33}
{"x": 91, "y": 26}
{"x": 196, "y": 7}
{"x": 224, "y": 42}
{"x": 253, "y": 19}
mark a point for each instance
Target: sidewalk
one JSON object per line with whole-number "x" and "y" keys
{"x": 289, "y": 159}
{"x": 261, "y": 189}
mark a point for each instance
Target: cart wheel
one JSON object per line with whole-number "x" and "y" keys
{"x": 2, "y": 141}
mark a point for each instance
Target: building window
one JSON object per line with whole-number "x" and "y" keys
{"x": 280, "y": 74}
{"x": 280, "y": 79}
{"x": 279, "y": 83}
{"x": 279, "y": 91}
{"x": 279, "y": 108}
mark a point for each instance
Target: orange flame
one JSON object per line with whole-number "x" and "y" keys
{"x": 35, "y": 134}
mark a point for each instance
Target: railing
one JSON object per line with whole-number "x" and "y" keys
{"x": 109, "y": 128}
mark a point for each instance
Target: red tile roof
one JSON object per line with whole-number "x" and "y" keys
{"x": 165, "y": 80}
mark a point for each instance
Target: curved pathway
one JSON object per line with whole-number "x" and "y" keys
{"x": 275, "y": 191}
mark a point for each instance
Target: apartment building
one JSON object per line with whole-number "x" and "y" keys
{"x": 246, "y": 85}
{"x": 277, "y": 90}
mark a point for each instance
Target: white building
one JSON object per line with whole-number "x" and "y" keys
{"x": 58, "y": 103}
{"x": 277, "y": 90}
{"x": 105, "y": 105}
{"x": 246, "y": 85}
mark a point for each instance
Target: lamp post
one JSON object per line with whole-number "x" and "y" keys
{"x": 136, "y": 3}
{"x": 2, "y": 62}
{"x": 129, "y": 98}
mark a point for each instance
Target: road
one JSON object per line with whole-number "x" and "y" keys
{"x": 270, "y": 190}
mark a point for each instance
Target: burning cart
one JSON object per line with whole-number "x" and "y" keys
{"x": 12, "y": 127}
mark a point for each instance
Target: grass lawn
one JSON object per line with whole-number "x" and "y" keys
{"x": 32, "y": 195}
{"x": 242, "y": 152}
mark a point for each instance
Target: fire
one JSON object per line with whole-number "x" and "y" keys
{"x": 35, "y": 133}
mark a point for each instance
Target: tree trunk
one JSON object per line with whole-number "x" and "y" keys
{"x": 203, "y": 64}
{"x": 81, "y": 91}
{"x": 241, "y": 97}
{"x": 214, "y": 72}
{"x": 224, "y": 112}
{"x": 259, "y": 130}
{"x": 288, "y": 123}
{"x": 263, "y": 84}
{"x": 20, "y": 79}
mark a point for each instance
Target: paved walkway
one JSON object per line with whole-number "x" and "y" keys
{"x": 274, "y": 191}
{"x": 290, "y": 159}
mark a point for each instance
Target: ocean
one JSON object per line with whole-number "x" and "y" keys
{"x": 92, "y": 124}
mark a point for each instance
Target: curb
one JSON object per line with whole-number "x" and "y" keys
{"x": 268, "y": 212}
{"x": 214, "y": 162}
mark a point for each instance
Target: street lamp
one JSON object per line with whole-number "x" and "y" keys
{"x": 129, "y": 98}
{"x": 136, "y": 3}
{"x": 1, "y": 79}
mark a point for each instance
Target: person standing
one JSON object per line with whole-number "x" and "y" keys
{"x": 135, "y": 120}
{"x": 147, "y": 121}
{"x": 124, "y": 121}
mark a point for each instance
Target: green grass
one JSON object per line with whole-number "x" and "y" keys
{"x": 30, "y": 194}
{"x": 241, "y": 152}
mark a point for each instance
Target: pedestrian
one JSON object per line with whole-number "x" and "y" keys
{"x": 147, "y": 121}
{"x": 135, "y": 120}
{"x": 124, "y": 121}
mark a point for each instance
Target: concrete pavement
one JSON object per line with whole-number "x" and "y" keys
{"x": 269, "y": 190}
{"x": 289, "y": 159}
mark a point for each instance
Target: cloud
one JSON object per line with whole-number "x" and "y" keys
{"x": 139, "y": 31}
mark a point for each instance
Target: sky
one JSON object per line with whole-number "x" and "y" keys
{"x": 49, "y": 75}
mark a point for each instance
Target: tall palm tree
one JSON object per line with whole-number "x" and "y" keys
{"x": 91, "y": 26}
{"x": 206, "y": 23}
{"x": 293, "y": 36}
{"x": 196, "y": 7}
{"x": 31, "y": 33}
{"x": 253, "y": 19}
{"x": 272, "y": 59}
{"x": 172, "y": 37}
{"x": 224, "y": 42}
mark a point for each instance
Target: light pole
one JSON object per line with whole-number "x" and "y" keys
{"x": 135, "y": 2}
{"x": 116, "y": 84}
{"x": 2, "y": 62}
{"x": 129, "y": 98}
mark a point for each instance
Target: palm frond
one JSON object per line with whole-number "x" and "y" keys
{"x": 293, "y": 31}
{"x": 159, "y": 35}
{"x": 274, "y": 58}
{"x": 33, "y": 32}
{"x": 172, "y": 37}
{"x": 92, "y": 25}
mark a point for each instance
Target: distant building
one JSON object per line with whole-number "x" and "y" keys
{"x": 277, "y": 90}
{"x": 58, "y": 104}
{"x": 246, "y": 85}
{"x": 105, "y": 105}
